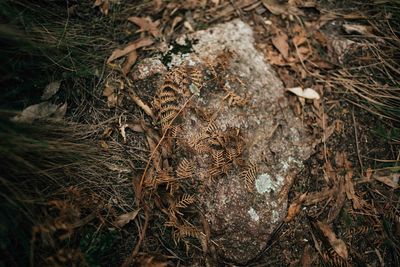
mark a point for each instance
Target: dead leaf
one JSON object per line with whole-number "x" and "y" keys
{"x": 188, "y": 26}
{"x": 280, "y": 41}
{"x": 295, "y": 207}
{"x": 103, "y": 5}
{"x": 41, "y": 111}
{"x": 358, "y": 29}
{"x": 389, "y": 179}
{"x": 131, "y": 59}
{"x": 146, "y": 25}
{"x": 124, "y": 219}
{"x": 117, "y": 53}
{"x": 276, "y": 8}
{"x": 338, "y": 245}
{"x": 50, "y": 90}
{"x": 175, "y": 22}
{"x": 350, "y": 192}
{"x": 307, "y": 93}
{"x": 122, "y": 131}
{"x": 298, "y": 40}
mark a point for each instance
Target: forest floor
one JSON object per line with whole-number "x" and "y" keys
{"x": 343, "y": 206}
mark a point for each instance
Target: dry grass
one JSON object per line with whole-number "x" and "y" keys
{"x": 55, "y": 179}
{"x": 371, "y": 74}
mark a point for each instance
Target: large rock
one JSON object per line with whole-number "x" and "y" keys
{"x": 276, "y": 141}
{"x": 242, "y": 212}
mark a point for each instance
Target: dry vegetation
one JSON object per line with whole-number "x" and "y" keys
{"x": 107, "y": 185}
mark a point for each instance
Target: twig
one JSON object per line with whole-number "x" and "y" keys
{"x": 140, "y": 103}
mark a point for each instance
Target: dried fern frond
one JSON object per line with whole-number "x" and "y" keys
{"x": 185, "y": 169}
{"x": 176, "y": 131}
{"x": 198, "y": 143}
{"x": 249, "y": 175}
{"x": 185, "y": 201}
{"x": 218, "y": 158}
{"x": 234, "y": 99}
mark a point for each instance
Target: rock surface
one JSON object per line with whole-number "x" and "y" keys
{"x": 242, "y": 221}
{"x": 253, "y": 110}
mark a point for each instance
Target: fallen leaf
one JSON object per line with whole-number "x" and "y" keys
{"x": 117, "y": 53}
{"x": 338, "y": 245}
{"x": 276, "y": 8}
{"x": 188, "y": 26}
{"x": 389, "y": 179}
{"x": 175, "y": 22}
{"x": 50, "y": 90}
{"x": 294, "y": 208}
{"x": 41, "y": 111}
{"x": 299, "y": 40}
{"x": 280, "y": 41}
{"x": 350, "y": 192}
{"x": 146, "y": 25}
{"x": 307, "y": 93}
{"x": 103, "y": 5}
{"x": 131, "y": 59}
{"x": 112, "y": 100}
{"x": 357, "y": 29}
{"x": 108, "y": 90}
{"x": 122, "y": 131}
{"x": 124, "y": 219}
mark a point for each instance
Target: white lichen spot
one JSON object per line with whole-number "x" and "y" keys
{"x": 265, "y": 183}
{"x": 253, "y": 215}
{"x": 275, "y": 216}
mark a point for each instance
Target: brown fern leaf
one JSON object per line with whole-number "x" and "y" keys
{"x": 185, "y": 169}
{"x": 176, "y": 131}
{"x": 164, "y": 176}
{"x": 185, "y": 201}
{"x": 167, "y": 118}
{"x": 215, "y": 171}
{"x": 218, "y": 158}
{"x": 249, "y": 175}
{"x": 212, "y": 128}
{"x": 187, "y": 230}
{"x": 196, "y": 79}
{"x": 234, "y": 99}
{"x": 197, "y": 143}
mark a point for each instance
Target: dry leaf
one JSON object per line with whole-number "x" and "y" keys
{"x": 350, "y": 192}
{"x": 280, "y": 41}
{"x": 294, "y": 208}
{"x": 338, "y": 245}
{"x": 146, "y": 25}
{"x": 131, "y": 59}
{"x": 123, "y": 219}
{"x": 41, "y": 111}
{"x": 390, "y": 179}
{"x": 276, "y": 8}
{"x": 358, "y": 29}
{"x": 117, "y": 53}
{"x": 103, "y": 5}
{"x": 50, "y": 90}
{"x": 307, "y": 93}
{"x": 122, "y": 131}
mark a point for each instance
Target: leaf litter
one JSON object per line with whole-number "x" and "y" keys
{"x": 294, "y": 55}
